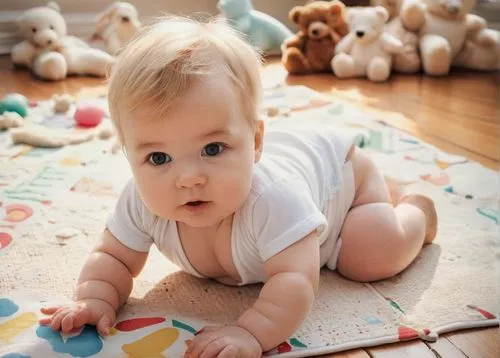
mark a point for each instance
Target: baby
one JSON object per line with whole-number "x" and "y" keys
{"x": 223, "y": 201}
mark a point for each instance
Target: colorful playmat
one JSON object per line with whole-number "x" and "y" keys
{"x": 53, "y": 203}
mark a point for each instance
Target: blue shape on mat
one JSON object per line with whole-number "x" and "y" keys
{"x": 85, "y": 344}
{"x": 7, "y": 307}
{"x": 15, "y": 355}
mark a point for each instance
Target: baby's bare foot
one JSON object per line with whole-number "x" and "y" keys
{"x": 425, "y": 204}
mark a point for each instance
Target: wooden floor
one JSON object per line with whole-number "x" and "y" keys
{"x": 459, "y": 114}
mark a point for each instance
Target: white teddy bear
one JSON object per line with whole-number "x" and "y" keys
{"x": 117, "y": 25}
{"x": 367, "y": 49}
{"x": 443, "y": 26}
{"x": 49, "y": 53}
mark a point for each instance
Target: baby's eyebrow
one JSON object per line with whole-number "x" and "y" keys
{"x": 147, "y": 145}
{"x": 216, "y": 133}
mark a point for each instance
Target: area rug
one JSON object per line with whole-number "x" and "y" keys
{"x": 54, "y": 203}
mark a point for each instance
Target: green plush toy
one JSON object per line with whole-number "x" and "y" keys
{"x": 14, "y": 102}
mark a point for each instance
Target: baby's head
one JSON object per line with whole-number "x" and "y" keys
{"x": 184, "y": 97}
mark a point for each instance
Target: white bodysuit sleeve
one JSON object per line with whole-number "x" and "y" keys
{"x": 131, "y": 222}
{"x": 284, "y": 214}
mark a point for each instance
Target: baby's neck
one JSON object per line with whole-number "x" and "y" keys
{"x": 207, "y": 232}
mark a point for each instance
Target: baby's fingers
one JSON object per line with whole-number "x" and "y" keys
{"x": 68, "y": 323}
{"x": 49, "y": 310}
{"x": 57, "y": 319}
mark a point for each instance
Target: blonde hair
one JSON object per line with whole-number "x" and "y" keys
{"x": 165, "y": 57}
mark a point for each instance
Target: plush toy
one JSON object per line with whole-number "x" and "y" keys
{"x": 408, "y": 61}
{"x": 117, "y": 25}
{"x": 263, "y": 31}
{"x": 481, "y": 50}
{"x": 321, "y": 27}
{"x": 49, "y": 53}
{"x": 442, "y": 27}
{"x": 367, "y": 50}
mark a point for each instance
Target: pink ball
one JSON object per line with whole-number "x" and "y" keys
{"x": 89, "y": 116}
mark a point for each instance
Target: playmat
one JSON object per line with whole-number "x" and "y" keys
{"x": 53, "y": 204}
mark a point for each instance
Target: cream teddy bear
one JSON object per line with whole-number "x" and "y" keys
{"x": 408, "y": 61}
{"x": 117, "y": 25}
{"x": 443, "y": 27}
{"x": 367, "y": 49}
{"x": 49, "y": 53}
{"x": 481, "y": 50}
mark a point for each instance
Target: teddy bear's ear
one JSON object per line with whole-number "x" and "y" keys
{"x": 350, "y": 14}
{"x": 382, "y": 13}
{"x": 54, "y": 6}
{"x": 294, "y": 14}
{"x": 336, "y": 7}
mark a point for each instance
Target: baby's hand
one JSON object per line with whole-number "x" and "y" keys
{"x": 92, "y": 311}
{"x": 224, "y": 342}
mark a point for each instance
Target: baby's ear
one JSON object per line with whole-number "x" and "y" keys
{"x": 294, "y": 14}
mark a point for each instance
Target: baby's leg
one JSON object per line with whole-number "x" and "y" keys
{"x": 379, "y": 240}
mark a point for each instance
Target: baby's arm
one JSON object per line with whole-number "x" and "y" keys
{"x": 104, "y": 285}
{"x": 283, "y": 303}
{"x": 287, "y": 296}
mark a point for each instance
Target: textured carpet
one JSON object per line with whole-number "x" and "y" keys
{"x": 54, "y": 203}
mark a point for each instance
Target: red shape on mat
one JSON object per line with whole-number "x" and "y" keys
{"x": 486, "y": 314}
{"x": 284, "y": 347}
{"x": 5, "y": 239}
{"x": 407, "y": 333}
{"x": 138, "y": 323}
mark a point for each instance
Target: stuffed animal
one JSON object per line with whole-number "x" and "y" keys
{"x": 321, "y": 27}
{"x": 442, "y": 27}
{"x": 481, "y": 50}
{"x": 49, "y": 53}
{"x": 117, "y": 25}
{"x": 263, "y": 31}
{"x": 367, "y": 50}
{"x": 408, "y": 61}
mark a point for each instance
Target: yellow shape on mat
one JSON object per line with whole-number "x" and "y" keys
{"x": 13, "y": 327}
{"x": 153, "y": 344}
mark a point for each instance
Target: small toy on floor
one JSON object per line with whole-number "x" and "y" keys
{"x": 14, "y": 102}
{"x": 10, "y": 120}
{"x": 89, "y": 116}
{"x": 367, "y": 50}
{"x": 263, "y": 31}
{"x": 62, "y": 102}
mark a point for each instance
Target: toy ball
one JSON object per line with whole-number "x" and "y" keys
{"x": 14, "y": 102}
{"x": 89, "y": 116}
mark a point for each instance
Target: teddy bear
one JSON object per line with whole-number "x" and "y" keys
{"x": 408, "y": 61}
{"x": 443, "y": 28}
{"x": 481, "y": 50}
{"x": 366, "y": 50}
{"x": 321, "y": 27}
{"x": 49, "y": 52}
{"x": 263, "y": 31}
{"x": 117, "y": 25}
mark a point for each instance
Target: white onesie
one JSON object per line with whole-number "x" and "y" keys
{"x": 301, "y": 184}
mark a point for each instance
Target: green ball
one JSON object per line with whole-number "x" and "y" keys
{"x": 14, "y": 102}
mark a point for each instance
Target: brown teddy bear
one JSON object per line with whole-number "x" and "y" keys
{"x": 321, "y": 26}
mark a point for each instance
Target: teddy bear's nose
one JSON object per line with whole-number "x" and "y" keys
{"x": 360, "y": 34}
{"x": 49, "y": 42}
{"x": 453, "y": 9}
{"x": 125, "y": 19}
{"x": 315, "y": 32}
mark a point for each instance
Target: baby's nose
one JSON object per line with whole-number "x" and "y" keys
{"x": 190, "y": 178}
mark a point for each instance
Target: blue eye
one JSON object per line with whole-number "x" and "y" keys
{"x": 159, "y": 158}
{"x": 212, "y": 149}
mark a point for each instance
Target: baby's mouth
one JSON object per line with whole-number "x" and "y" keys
{"x": 195, "y": 203}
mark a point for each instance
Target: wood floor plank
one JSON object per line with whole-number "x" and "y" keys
{"x": 484, "y": 343}
{"x": 444, "y": 348}
{"x": 413, "y": 349}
